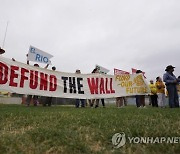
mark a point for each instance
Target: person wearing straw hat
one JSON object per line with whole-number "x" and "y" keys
{"x": 171, "y": 84}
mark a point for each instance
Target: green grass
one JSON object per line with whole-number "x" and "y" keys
{"x": 61, "y": 129}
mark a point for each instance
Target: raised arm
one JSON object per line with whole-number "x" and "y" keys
{"x": 27, "y": 60}
{"x": 46, "y": 66}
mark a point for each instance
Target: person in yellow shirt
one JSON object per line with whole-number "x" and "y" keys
{"x": 178, "y": 86}
{"x": 153, "y": 95}
{"x": 160, "y": 92}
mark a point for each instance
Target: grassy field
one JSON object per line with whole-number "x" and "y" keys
{"x": 63, "y": 129}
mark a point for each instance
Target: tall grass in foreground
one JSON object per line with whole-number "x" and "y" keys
{"x": 61, "y": 129}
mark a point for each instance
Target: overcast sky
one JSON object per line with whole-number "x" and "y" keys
{"x": 123, "y": 34}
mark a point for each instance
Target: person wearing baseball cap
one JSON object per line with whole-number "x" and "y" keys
{"x": 171, "y": 84}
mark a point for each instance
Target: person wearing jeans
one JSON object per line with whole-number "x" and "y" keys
{"x": 97, "y": 102}
{"x": 79, "y": 100}
{"x": 78, "y": 103}
{"x": 140, "y": 100}
{"x": 171, "y": 84}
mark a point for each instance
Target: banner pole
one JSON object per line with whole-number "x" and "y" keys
{"x": 5, "y": 35}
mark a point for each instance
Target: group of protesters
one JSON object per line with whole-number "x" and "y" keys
{"x": 159, "y": 90}
{"x": 170, "y": 88}
{"x": 162, "y": 87}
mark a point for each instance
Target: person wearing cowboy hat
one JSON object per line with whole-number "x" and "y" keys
{"x": 171, "y": 84}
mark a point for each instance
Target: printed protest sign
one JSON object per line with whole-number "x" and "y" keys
{"x": 101, "y": 69}
{"x": 20, "y": 78}
{"x": 119, "y": 72}
{"x": 39, "y": 56}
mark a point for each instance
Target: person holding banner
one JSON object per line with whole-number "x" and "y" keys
{"x": 140, "y": 99}
{"x": 35, "y": 97}
{"x": 30, "y": 97}
{"x": 121, "y": 102}
{"x": 91, "y": 101}
{"x": 48, "y": 100}
{"x": 79, "y": 100}
{"x": 97, "y": 100}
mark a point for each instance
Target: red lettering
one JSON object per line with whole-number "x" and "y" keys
{"x": 13, "y": 75}
{"x": 53, "y": 83}
{"x": 93, "y": 85}
{"x": 111, "y": 87}
{"x": 3, "y": 73}
{"x": 43, "y": 81}
{"x": 107, "y": 91}
{"x": 23, "y": 77}
{"x": 102, "y": 86}
{"x": 33, "y": 79}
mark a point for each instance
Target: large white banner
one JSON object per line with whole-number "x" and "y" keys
{"x": 20, "y": 78}
{"x": 38, "y": 55}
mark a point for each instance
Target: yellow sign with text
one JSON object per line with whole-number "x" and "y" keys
{"x": 132, "y": 85}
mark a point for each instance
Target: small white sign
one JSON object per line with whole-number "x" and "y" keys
{"x": 102, "y": 69}
{"x": 38, "y": 55}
